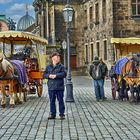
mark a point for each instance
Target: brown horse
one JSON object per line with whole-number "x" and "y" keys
{"x": 9, "y": 84}
{"x": 131, "y": 74}
{"x": 130, "y": 79}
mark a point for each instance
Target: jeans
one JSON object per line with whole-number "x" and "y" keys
{"x": 99, "y": 89}
{"x": 59, "y": 94}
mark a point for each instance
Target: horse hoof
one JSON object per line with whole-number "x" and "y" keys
{"x": 12, "y": 105}
{"x": 3, "y": 106}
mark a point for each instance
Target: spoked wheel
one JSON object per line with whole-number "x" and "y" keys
{"x": 39, "y": 90}
{"x": 113, "y": 94}
{"x": 113, "y": 89}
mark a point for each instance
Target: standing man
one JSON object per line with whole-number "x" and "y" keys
{"x": 97, "y": 73}
{"x": 55, "y": 73}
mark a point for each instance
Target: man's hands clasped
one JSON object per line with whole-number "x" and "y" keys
{"x": 52, "y": 76}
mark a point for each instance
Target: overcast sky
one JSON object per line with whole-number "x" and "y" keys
{"x": 15, "y": 9}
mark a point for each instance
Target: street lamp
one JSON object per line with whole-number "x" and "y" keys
{"x": 64, "y": 46}
{"x": 68, "y": 14}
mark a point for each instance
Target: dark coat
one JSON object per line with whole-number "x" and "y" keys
{"x": 100, "y": 72}
{"x": 58, "y": 82}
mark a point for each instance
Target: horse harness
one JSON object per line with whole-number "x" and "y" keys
{"x": 127, "y": 73}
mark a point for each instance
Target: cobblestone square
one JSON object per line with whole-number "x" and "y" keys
{"x": 86, "y": 119}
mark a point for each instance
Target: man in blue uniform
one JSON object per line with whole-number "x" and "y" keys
{"x": 55, "y": 73}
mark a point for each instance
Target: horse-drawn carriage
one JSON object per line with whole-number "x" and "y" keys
{"x": 127, "y": 68}
{"x": 22, "y": 62}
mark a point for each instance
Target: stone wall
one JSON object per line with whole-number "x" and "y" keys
{"x": 124, "y": 24}
{"x": 98, "y": 32}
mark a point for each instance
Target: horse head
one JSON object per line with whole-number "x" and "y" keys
{"x": 6, "y": 68}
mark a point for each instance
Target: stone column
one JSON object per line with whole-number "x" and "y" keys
{"x": 42, "y": 21}
{"x": 46, "y": 16}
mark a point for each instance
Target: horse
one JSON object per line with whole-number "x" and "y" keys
{"x": 131, "y": 74}
{"x": 128, "y": 78}
{"x": 10, "y": 82}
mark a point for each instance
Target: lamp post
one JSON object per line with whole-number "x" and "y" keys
{"x": 64, "y": 46}
{"x": 68, "y": 14}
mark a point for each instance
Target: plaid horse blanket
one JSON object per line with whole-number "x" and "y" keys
{"x": 21, "y": 70}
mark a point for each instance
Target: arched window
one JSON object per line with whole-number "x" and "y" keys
{"x": 86, "y": 55}
{"x": 105, "y": 50}
{"x": 98, "y": 48}
{"x": 104, "y": 10}
{"x": 91, "y": 14}
{"x": 97, "y": 13}
{"x": 136, "y": 7}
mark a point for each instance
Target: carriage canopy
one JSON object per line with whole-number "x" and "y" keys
{"x": 17, "y": 37}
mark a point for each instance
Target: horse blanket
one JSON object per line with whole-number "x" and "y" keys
{"x": 21, "y": 70}
{"x": 119, "y": 64}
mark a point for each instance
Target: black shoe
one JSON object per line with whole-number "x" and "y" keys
{"x": 51, "y": 117}
{"x": 62, "y": 117}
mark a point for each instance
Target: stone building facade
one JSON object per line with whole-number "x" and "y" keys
{"x": 107, "y": 19}
{"x": 50, "y": 24}
{"x": 95, "y": 23}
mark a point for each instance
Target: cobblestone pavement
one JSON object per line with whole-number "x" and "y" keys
{"x": 86, "y": 119}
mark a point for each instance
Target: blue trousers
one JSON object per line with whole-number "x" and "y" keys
{"x": 59, "y": 94}
{"x": 99, "y": 89}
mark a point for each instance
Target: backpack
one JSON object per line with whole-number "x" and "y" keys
{"x": 97, "y": 72}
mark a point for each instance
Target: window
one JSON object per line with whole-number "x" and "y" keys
{"x": 91, "y": 52}
{"x": 104, "y": 10}
{"x": 86, "y": 17}
{"x": 105, "y": 50}
{"x": 86, "y": 59}
{"x": 136, "y": 7}
{"x": 97, "y": 13}
{"x": 98, "y": 48}
{"x": 91, "y": 13}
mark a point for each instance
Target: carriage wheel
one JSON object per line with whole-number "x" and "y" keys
{"x": 39, "y": 90}
{"x": 113, "y": 89}
{"x": 113, "y": 94}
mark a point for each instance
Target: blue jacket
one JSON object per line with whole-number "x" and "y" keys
{"x": 58, "y": 82}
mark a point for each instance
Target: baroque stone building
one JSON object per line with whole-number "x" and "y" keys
{"x": 50, "y": 24}
{"x": 95, "y": 23}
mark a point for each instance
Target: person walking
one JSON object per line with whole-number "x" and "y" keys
{"x": 55, "y": 73}
{"x": 96, "y": 71}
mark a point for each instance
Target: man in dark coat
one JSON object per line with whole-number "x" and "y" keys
{"x": 55, "y": 73}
